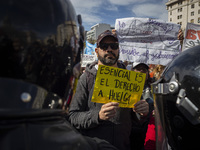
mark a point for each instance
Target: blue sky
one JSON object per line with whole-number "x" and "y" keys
{"x": 107, "y": 11}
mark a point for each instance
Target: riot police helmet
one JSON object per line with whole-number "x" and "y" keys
{"x": 177, "y": 102}
{"x": 38, "y": 49}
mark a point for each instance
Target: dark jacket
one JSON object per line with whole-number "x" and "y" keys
{"x": 139, "y": 128}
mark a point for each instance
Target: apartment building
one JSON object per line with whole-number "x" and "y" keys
{"x": 96, "y": 30}
{"x": 183, "y": 11}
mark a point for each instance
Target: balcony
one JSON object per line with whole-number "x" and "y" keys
{"x": 170, "y": 2}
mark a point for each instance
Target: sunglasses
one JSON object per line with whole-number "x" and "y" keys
{"x": 105, "y": 46}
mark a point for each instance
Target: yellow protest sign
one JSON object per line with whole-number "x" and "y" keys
{"x": 118, "y": 85}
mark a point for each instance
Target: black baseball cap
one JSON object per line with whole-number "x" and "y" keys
{"x": 105, "y": 34}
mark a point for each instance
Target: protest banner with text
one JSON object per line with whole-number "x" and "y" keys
{"x": 146, "y": 40}
{"x": 192, "y": 36}
{"x": 87, "y": 59}
{"x": 118, "y": 85}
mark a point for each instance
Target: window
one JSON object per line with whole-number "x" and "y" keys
{"x": 199, "y": 20}
{"x": 199, "y": 11}
{"x": 192, "y": 13}
{"x": 192, "y": 6}
{"x": 170, "y": 12}
{"x": 179, "y": 17}
{"x": 180, "y": 23}
{"x": 180, "y": 10}
{"x": 192, "y": 21}
{"x": 170, "y": 19}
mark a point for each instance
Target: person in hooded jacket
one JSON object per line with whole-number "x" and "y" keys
{"x": 104, "y": 121}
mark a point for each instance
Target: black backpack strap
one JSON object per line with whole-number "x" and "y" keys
{"x": 121, "y": 65}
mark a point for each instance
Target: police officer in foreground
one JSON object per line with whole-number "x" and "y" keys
{"x": 38, "y": 48}
{"x": 177, "y": 100}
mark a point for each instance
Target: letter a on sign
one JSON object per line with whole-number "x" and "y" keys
{"x": 100, "y": 93}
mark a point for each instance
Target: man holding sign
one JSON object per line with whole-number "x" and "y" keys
{"x": 107, "y": 121}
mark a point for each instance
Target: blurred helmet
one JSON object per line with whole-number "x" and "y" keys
{"x": 38, "y": 48}
{"x": 177, "y": 102}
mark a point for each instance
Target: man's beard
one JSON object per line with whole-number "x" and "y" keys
{"x": 109, "y": 61}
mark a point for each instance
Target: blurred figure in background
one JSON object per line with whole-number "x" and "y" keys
{"x": 157, "y": 71}
{"x": 139, "y": 130}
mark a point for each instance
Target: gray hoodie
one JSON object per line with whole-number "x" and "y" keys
{"x": 84, "y": 115}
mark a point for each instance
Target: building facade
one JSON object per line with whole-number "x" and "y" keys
{"x": 183, "y": 11}
{"x": 96, "y": 30}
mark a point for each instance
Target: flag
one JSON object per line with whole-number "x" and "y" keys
{"x": 90, "y": 48}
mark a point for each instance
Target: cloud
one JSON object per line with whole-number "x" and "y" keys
{"x": 91, "y": 19}
{"x": 125, "y": 2}
{"x": 93, "y": 11}
{"x": 86, "y": 4}
{"x": 111, "y": 8}
{"x": 151, "y": 10}
{"x": 88, "y": 10}
{"x": 106, "y": 11}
